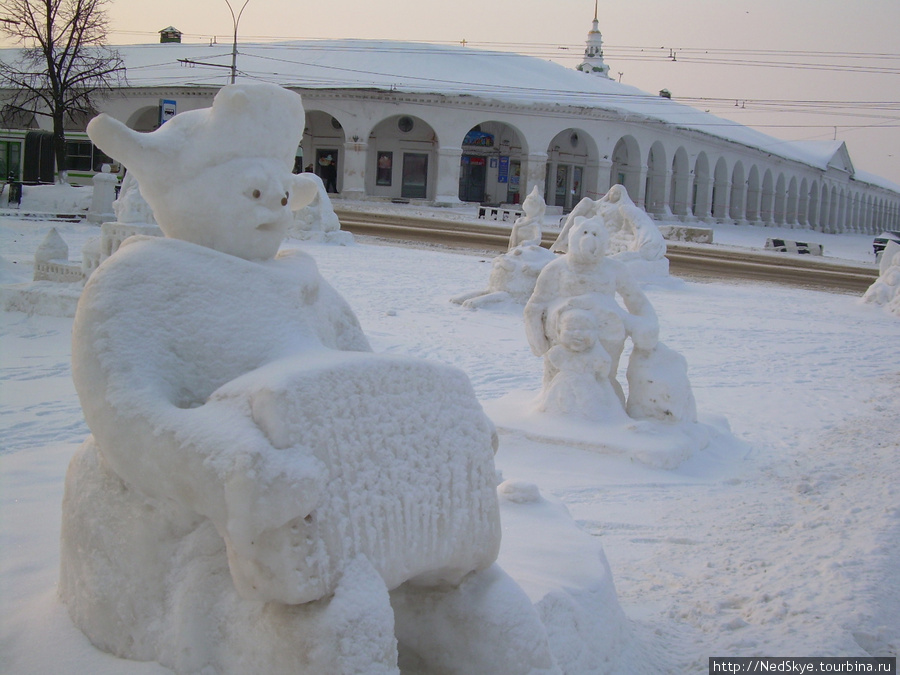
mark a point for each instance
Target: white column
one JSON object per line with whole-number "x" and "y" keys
{"x": 354, "y": 175}
{"x": 604, "y": 166}
{"x": 535, "y": 173}
{"x": 447, "y": 185}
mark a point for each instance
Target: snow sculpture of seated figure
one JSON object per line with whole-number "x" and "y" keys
{"x": 514, "y": 273}
{"x": 585, "y": 278}
{"x": 634, "y": 238}
{"x": 260, "y": 492}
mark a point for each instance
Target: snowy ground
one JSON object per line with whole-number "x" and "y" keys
{"x": 782, "y": 541}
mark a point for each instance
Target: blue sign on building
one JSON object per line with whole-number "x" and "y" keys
{"x": 503, "y": 171}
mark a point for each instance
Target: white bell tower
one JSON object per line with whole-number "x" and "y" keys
{"x": 593, "y": 53}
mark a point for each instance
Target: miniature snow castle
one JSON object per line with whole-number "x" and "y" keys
{"x": 260, "y": 492}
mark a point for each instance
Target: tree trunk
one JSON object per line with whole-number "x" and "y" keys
{"x": 59, "y": 145}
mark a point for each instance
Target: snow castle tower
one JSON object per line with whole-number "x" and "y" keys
{"x": 593, "y": 52}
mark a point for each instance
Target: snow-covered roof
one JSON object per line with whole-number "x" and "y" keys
{"x": 424, "y": 68}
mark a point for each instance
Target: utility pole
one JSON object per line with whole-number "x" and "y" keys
{"x": 236, "y": 20}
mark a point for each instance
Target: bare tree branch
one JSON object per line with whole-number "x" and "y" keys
{"x": 63, "y": 64}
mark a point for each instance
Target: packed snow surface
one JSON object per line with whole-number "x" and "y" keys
{"x": 779, "y": 538}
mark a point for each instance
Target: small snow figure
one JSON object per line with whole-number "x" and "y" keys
{"x": 260, "y": 492}
{"x": 581, "y": 385}
{"x": 317, "y": 221}
{"x": 514, "y": 273}
{"x": 526, "y": 231}
{"x": 130, "y": 206}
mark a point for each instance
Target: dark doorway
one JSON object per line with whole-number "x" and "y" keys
{"x": 39, "y": 164}
{"x": 415, "y": 176}
{"x": 472, "y": 178}
{"x": 326, "y": 168}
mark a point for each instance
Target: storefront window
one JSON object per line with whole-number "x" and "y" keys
{"x": 384, "y": 174}
{"x": 415, "y": 175}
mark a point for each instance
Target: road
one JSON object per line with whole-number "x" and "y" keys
{"x": 692, "y": 261}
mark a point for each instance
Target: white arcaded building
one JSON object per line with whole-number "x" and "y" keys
{"x": 452, "y": 124}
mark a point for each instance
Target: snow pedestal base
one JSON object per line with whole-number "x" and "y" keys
{"x": 663, "y": 445}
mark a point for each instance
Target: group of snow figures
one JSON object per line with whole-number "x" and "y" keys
{"x": 260, "y": 491}
{"x": 573, "y": 318}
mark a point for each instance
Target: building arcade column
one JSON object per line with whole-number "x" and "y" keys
{"x": 604, "y": 168}
{"x": 535, "y": 173}
{"x": 354, "y": 174}
{"x": 447, "y": 184}
{"x": 702, "y": 204}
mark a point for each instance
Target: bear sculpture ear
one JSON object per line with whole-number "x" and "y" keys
{"x": 232, "y": 98}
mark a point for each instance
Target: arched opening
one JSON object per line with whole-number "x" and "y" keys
{"x": 824, "y": 208}
{"x": 721, "y": 191}
{"x": 778, "y": 214}
{"x": 767, "y": 199}
{"x": 145, "y": 119}
{"x": 680, "y": 184}
{"x": 322, "y": 148}
{"x": 803, "y": 204}
{"x": 626, "y": 167}
{"x": 814, "y": 212}
{"x": 738, "y": 193}
{"x": 792, "y": 205}
{"x": 401, "y": 158}
{"x": 491, "y": 164}
{"x": 655, "y": 191}
{"x": 753, "y": 195}
{"x": 832, "y": 212}
{"x": 571, "y": 167}
{"x": 700, "y": 197}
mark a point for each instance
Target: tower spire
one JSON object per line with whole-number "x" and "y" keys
{"x": 593, "y": 52}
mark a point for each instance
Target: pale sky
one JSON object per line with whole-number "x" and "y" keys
{"x": 798, "y": 69}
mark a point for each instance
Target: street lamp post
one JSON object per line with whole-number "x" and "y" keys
{"x": 235, "y": 20}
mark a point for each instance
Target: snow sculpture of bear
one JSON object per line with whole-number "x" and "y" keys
{"x": 585, "y": 282}
{"x": 260, "y": 492}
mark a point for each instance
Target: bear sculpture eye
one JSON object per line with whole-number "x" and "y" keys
{"x": 284, "y": 200}
{"x": 256, "y": 194}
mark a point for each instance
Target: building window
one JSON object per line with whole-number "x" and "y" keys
{"x": 10, "y": 160}
{"x": 405, "y": 124}
{"x": 79, "y": 155}
{"x": 384, "y": 174}
{"x": 83, "y": 156}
